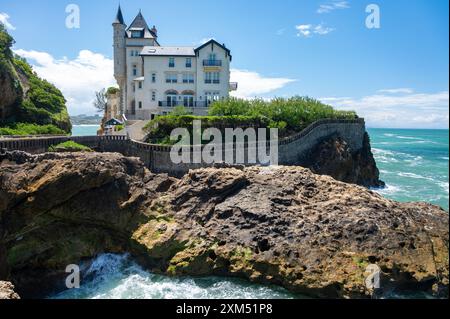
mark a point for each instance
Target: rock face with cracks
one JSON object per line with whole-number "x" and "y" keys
{"x": 278, "y": 225}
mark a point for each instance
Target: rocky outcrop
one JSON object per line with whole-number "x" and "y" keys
{"x": 334, "y": 157}
{"x": 7, "y": 291}
{"x": 25, "y": 97}
{"x": 279, "y": 225}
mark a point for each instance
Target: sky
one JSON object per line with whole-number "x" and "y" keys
{"x": 395, "y": 75}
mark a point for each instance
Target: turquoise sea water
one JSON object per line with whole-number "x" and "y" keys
{"x": 413, "y": 163}
{"x": 85, "y": 130}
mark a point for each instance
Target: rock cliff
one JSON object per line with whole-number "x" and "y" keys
{"x": 279, "y": 225}
{"x": 335, "y": 158}
{"x": 24, "y": 97}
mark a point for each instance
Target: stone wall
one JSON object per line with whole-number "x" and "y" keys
{"x": 292, "y": 150}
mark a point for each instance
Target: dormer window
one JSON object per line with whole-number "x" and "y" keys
{"x": 135, "y": 34}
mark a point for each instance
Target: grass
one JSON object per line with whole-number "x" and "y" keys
{"x": 31, "y": 129}
{"x": 290, "y": 116}
{"x": 69, "y": 146}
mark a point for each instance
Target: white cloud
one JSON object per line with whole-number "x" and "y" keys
{"x": 308, "y": 30}
{"x": 281, "y": 31}
{"x": 331, "y": 6}
{"x": 78, "y": 79}
{"x": 252, "y": 84}
{"x": 397, "y": 91}
{"x": 402, "y": 108}
{"x": 4, "y": 19}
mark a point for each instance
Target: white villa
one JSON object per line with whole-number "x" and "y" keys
{"x": 154, "y": 79}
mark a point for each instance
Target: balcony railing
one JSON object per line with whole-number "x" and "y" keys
{"x": 212, "y": 62}
{"x": 182, "y": 103}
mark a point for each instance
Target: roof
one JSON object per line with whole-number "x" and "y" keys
{"x": 113, "y": 121}
{"x": 212, "y": 41}
{"x": 168, "y": 51}
{"x": 119, "y": 17}
{"x": 139, "y": 24}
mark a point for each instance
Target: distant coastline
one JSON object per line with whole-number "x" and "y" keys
{"x": 84, "y": 119}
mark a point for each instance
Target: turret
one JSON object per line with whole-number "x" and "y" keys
{"x": 120, "y": 55}
{"x": 119, "y": 27}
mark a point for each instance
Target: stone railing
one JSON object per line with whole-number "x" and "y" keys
{"x": 291, "y": 150}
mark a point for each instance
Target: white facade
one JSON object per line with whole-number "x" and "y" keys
{"x": 154, "y": 79}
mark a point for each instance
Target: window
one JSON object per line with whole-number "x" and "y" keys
{"x": 171, "y": 62}
{"x": 216, "y": 77}
{"x": 171, "y": 78}
{"x": 153, "y": 77}
{"x": 134, "y": 53}
{"x": 153, "y": 96}
{"x": 212, "y": 57}
{"x": 171, "y": 100}
{"x": 188, "y": 62}
{"x": 134, "y": 69}
{"x": 212, "y": 77}
{"x": 188, "y": 100}
{"x": 140, "y": 104}
{"x": 208, "y": 77}
{"x": 136, "y": 34}
{"x": 188, "y": 78}
{"x": 134, "y": 87}
{"x": 140, "y": 85}
{"x": 211, "y": 97}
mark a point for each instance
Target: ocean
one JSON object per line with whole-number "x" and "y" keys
{"x": 85, "y": 130}
{"x": 413, "y": 163}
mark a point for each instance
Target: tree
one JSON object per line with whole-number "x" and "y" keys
{"x": 100, "y": 101}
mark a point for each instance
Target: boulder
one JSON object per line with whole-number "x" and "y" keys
{"x": 276, "y": 225}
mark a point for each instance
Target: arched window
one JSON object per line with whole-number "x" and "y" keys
{"x": 171, "y": 98}
{"x": 188, "y": 98}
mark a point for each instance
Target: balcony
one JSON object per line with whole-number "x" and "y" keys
{"x": 212, "y": 62}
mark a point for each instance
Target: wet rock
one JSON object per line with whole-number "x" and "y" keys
{"x": 282, "y": 225}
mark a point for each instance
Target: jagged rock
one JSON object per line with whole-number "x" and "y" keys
{"x": 335, "y": 158}
{"x": 279, "y": 225}
{"x": 7, "y": 291}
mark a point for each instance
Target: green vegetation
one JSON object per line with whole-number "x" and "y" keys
{"x": 31, "y": 129}
{"x": 119, "y": 127}
{"x": 288, "y": 115}
{"x": 69, "y": 146}
{"x": 38, "y": 102}
{"x": 112, "y": 90}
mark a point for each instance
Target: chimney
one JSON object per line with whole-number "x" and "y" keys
{"x": 154, "y": 30}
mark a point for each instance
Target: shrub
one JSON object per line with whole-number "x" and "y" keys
{"x": 288, "y": 115}
{"x": 31, "y": 129}
{"x": 69, "y": 146}
{"x": 293, "y": 114}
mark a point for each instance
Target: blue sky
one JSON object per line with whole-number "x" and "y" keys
{"x": 394, "y": 76}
